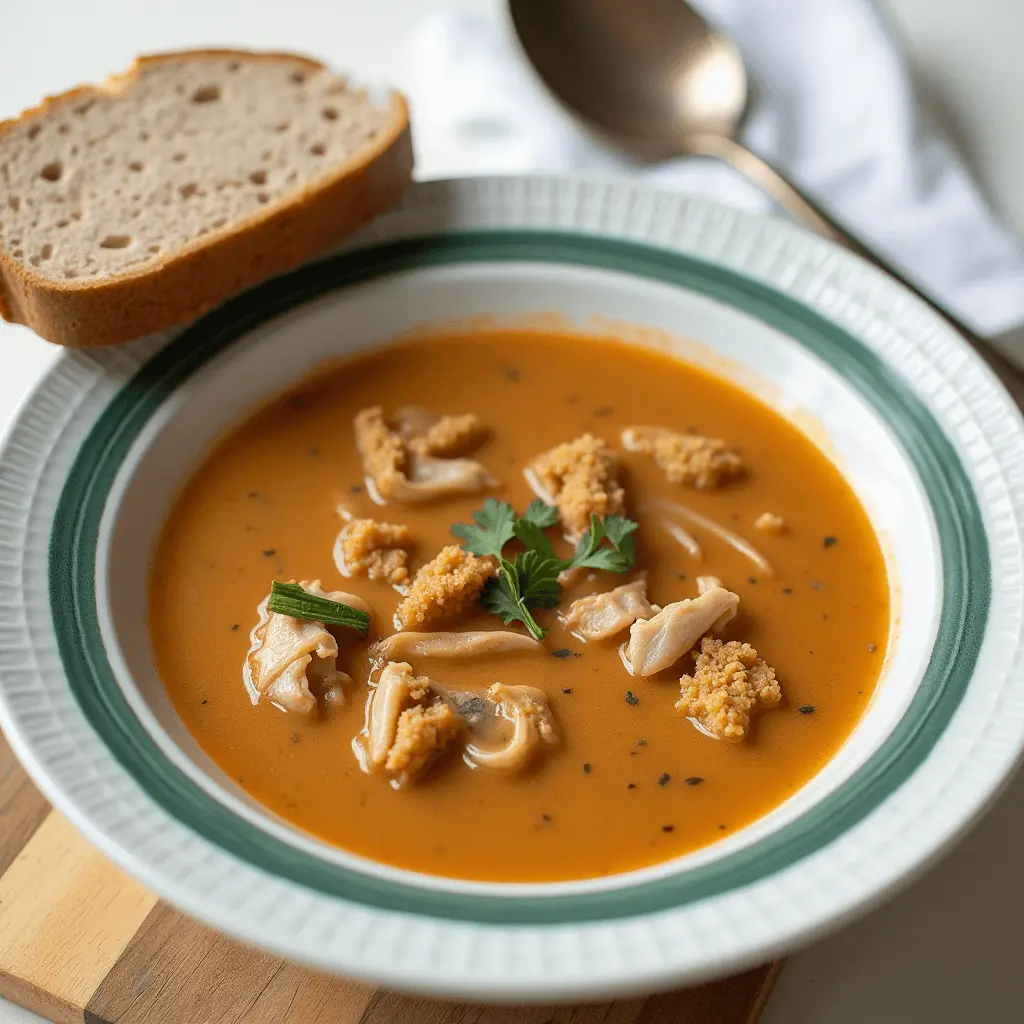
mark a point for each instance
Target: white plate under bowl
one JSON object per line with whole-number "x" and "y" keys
{"x": 928, "y": 439}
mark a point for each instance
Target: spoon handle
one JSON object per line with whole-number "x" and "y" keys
{"x": 796, "y": 202}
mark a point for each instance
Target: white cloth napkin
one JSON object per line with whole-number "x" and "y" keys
{"x": 835, "y": 108}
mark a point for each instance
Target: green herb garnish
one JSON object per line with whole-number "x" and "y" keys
{"x": 291, "y": 599}
{"x": 530, "y": 526}
{"x": 530, "y": 579}
{"x": 495, "y": 527}
{"x": 618, "y": 531}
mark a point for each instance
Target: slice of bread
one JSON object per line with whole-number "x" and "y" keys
{"x": 135, "y": 205}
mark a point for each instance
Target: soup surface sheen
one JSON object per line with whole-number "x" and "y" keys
{"x": 633, "y": 781}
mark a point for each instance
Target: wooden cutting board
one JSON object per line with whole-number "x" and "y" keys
{"x": 80, "y": 940}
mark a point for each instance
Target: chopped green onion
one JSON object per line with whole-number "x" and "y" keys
{"x": 291, "y": 599}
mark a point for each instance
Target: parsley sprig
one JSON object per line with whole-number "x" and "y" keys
{"x": 530, "y": 579}
{"x": 618, "y": 531}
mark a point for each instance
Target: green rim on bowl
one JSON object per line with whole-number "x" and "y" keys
{"x": 964, "y": 550}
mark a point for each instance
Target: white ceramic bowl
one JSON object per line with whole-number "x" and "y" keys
{"x": 919, "y": 426}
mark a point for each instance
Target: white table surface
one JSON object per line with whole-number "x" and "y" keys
{"x": 945, "y": 951}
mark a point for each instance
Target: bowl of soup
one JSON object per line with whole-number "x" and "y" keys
{"x": 563, "y": 589}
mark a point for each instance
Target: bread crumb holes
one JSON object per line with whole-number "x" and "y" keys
{"x": 207, "y": 94}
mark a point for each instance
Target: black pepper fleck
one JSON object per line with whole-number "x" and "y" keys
{"x": 751, "y": 579}
{"x": 235, "y": 627}
{"x": 566, "y": 689}
{"x": 357, "y": 488}
{"x": 511, "y": 373}
{"x": 872, "y": 648}
{"x": 586, "y": 768}
{"x": 314, "y": 451}
{"x": 295, "y": 737}
{"x": 270, "y": 552}
{"x": 631, "y": 698}
{"x": 203, "y": 701}
{"x": 668, "y": 828}
{"x": 641, "y": 743}
{"x": 253, "y": 494}
{"x": 545, "y": 817}
{"x": 807, "y": 709}
{"x": 787, "y": 590}
{"x": 722, "y": 827}
{"x": 693, "y": 780}
{"x": 681, "y": 575}
{"x": 631, "y": 785}
{"x": 561, "y": 652}
{"x": 830, "y": 542}
{"x": 663, "y": 780}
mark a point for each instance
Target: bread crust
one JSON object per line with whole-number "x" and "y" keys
{"x": 187, "y": 283}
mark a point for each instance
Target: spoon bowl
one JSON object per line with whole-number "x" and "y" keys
{"x": 650, "y": 73}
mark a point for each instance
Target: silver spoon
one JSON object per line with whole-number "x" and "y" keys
{"x": 658, "y": 80}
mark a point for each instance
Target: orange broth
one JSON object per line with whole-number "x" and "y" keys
{"x": 631, "y": 784}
